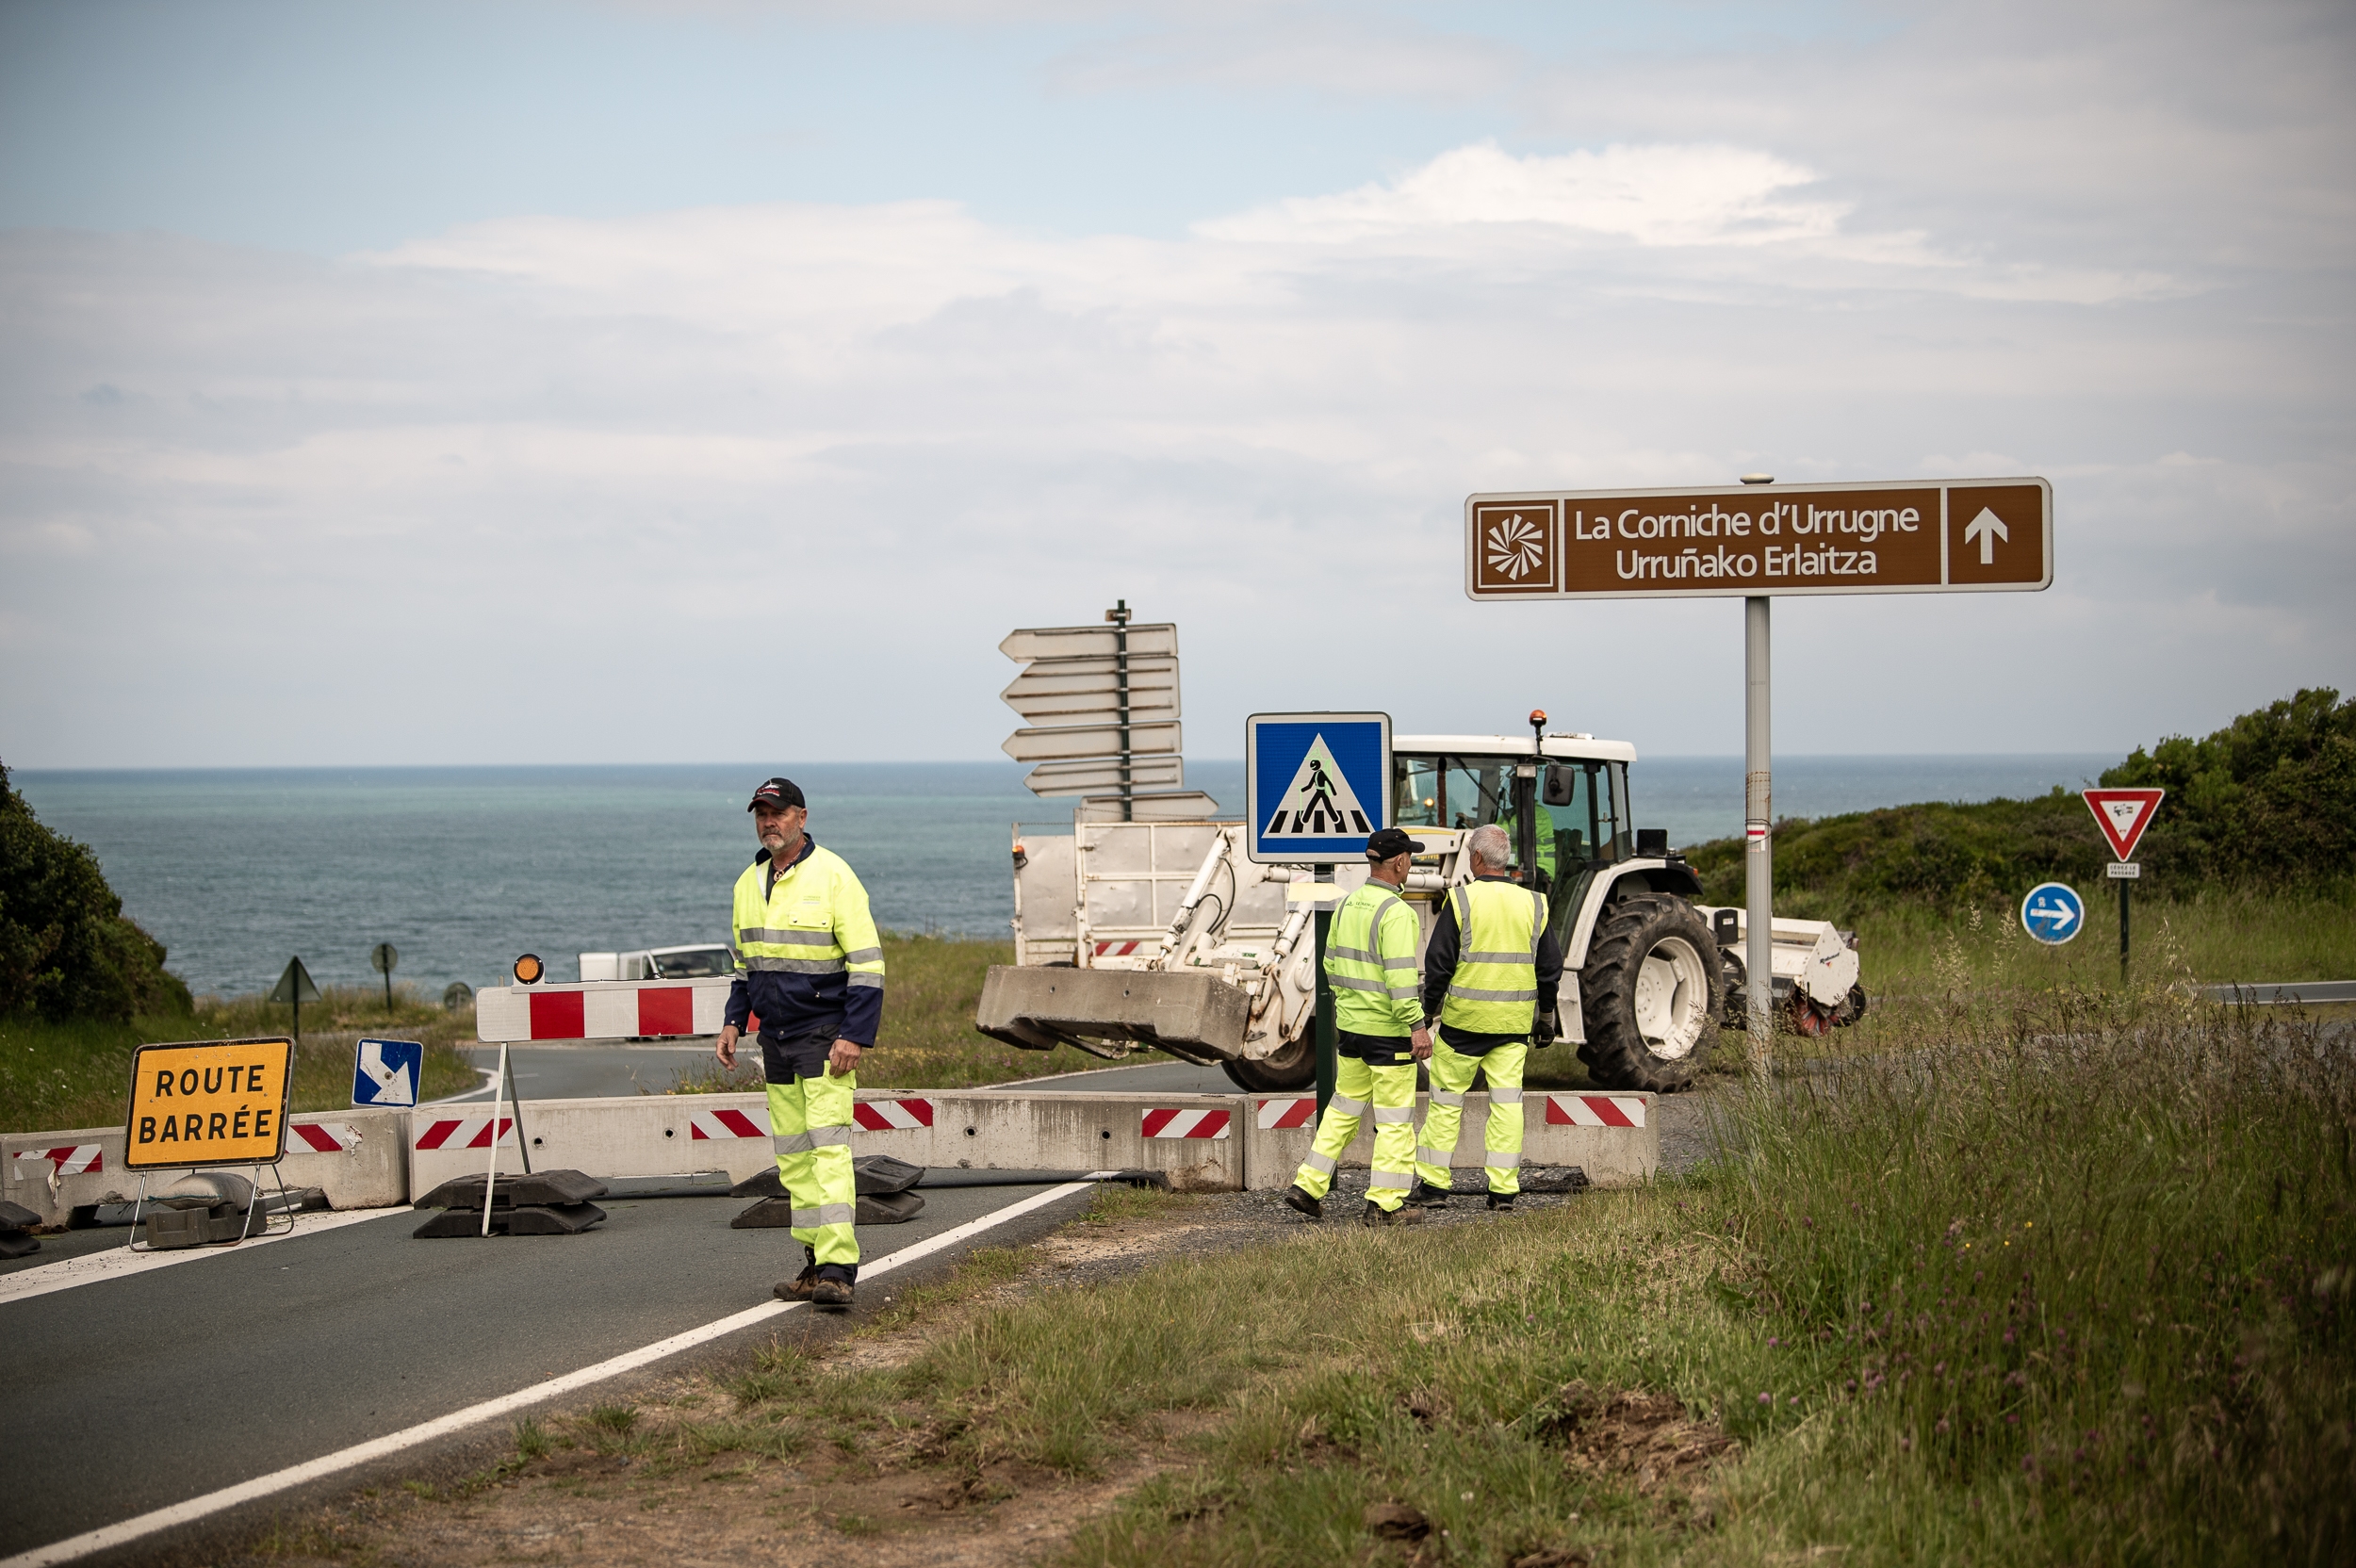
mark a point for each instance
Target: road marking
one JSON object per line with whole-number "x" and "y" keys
{"x": 145, "y": 1525}
{"x": 120, "y": 1262}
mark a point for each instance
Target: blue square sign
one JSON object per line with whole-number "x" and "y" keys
{"x": 386, "y": 1072}
{"x": 1317, "y": 785}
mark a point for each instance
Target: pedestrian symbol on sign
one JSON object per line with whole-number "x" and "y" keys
{"x": 2053, "y": 913}
{"x": 1320, "y": 801}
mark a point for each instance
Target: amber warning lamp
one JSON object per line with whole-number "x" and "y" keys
{"x": 530, "y": 970}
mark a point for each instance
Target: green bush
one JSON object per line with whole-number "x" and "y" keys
{"x": 2270, "y": 801}
{"x": 66, "y": 952}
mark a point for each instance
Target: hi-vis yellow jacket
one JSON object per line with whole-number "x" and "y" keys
{"x": 810, "y": 960}
{"x": 1370, "y": 960}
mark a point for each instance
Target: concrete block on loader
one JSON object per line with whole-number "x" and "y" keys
{"x": 1108, "y": 1012}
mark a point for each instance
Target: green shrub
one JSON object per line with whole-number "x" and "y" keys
{"x": 66, "y": 950}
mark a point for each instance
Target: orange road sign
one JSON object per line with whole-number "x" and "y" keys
{"x": 1745, "y": 541}
{"x": 207, "y": 1103}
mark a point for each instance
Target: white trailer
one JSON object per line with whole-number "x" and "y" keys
{"x": 1164, "y": 934}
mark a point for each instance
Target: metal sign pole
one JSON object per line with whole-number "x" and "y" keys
{"x": 498, "y": 1091}
{"x": 1758, "y": 954}
{"x": 1323, "y": 921}
{"x": 1118, "y": 616}
{"x": 2123, "y": 886}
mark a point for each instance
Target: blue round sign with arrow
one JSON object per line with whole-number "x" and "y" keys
{"x": 2053, "y": 913}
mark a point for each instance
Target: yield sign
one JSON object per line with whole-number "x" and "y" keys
{"x": 2122, "y": 815}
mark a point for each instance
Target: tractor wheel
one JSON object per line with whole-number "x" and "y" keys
{"x": 1650, "y": 995}
{"x": 1293, "y": 1068}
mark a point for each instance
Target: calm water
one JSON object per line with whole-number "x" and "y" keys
{"x": 462, "y": 867}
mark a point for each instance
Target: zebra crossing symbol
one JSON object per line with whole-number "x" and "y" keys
{"x": 1321, "y": 803}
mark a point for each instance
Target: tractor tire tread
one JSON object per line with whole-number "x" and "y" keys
{"x": 1616, "y": 1053}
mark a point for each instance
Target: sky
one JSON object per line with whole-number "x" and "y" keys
{"x": 519, "y": 381}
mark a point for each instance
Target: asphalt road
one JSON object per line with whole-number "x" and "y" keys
{"x": 130, "y": 1394}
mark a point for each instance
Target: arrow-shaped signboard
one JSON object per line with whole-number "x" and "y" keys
{"x": 2122, "y": 815}
{"x": 1987, "y": 527}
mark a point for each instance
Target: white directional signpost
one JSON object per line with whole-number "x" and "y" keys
{"x": 1102, "y": 706}
{"x": 1903, "y": 536}
{"x": 2053, "y": 913}
{"x": 2122, "y": 815}
{"x": 1316, "y": 786}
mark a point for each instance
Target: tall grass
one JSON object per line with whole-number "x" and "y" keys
{"x": 79, "y": 1074}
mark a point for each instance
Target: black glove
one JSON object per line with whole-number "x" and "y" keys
{"x": 1542, "y": 1032}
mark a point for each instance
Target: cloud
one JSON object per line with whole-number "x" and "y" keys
{"x": 774, "y": 479}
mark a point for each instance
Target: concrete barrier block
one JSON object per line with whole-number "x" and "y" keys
{"x": 359, "y": 1158}
{"x": 1611, "y": 1137}
{"x": 654, "y": 1134}
{"x": 1193, "y": 1139}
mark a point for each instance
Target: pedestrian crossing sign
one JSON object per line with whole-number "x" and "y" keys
{"x": 1317, "y": 785}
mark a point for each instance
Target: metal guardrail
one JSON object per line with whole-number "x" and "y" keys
{"x": 2307, "y": 992}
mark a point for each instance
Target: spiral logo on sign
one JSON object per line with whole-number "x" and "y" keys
{"x": 1515, "y": 547}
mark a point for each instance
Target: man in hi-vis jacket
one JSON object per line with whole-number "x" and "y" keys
{"x": 812, "y": 969}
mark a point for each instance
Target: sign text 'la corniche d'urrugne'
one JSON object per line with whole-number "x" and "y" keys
{"x": 1736, "y": 541}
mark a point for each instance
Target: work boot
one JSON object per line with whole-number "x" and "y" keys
{"x": 798, "y": 1287}
{"x": 1501, "y": 1203}
{"x": 1425, "y": 1193}
{"x": 830, "y": 1293}
{"x": 1298, "y": 1199}
{"x": 1375, "y": 1215}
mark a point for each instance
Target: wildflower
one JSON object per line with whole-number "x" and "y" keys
{"x": 1766, "y": 1398}
{"x": 1773, "y": 1342}
{"x": 1942, "y": 1425}
{"x": 1795, "y": 1398}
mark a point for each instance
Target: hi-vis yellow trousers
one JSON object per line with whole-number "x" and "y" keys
{"x": 1451, "y": 1075}
{"x": 1391, "y": 1091}
{"x": 809, "y": 1125}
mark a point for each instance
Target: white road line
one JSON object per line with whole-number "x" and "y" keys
{"x": 120, "y": 1262}
{"x": 361, "y": 1453}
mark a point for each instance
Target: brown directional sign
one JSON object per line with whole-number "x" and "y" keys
{"x": 1932, "y": 536}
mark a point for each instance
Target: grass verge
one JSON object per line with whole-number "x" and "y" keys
{"x": 79, "y": 1074}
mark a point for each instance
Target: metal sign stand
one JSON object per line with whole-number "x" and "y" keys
{"x": 1118, "y": 616}
{"x": 1758, "y": 858}
{"x": 504, "y": 1085}
{"x": 253, "y": 1207}
{"x": 1327, "y": 1040}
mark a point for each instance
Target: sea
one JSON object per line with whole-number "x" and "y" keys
{"x": 464, "y": 869}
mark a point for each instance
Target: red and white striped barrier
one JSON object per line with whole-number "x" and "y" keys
{"x": 891, "y": 1116}
{"x": 601, "y": 1009}
{"x": 1594, "y": 1110}
{"x": 1120, "y": 950}
{"x": 723, "y": 1124}
{"x": 324, "y": 1137}
{"x": 463, "y": 1132}
{"x": 1281, "y": 1113}
{"x": 1166, "y": 1122}
{"x": 74, "y": 1160}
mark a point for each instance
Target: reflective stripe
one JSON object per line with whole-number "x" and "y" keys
{"x": 1344, "y": 983}
{"x": 793, "y": 1143}
{"x": 1435, "y": 1156}
{"x": 1515, "y": 958}
{"x": 1467, "y": 993}
{"x": 1359, "y": 954}
{"x": 1402, "y": 993}
{"x": 1501, "y": 1094}
{"x": 829, "y": 1137}
{"x": 825, "y": 1214}
{"x": 1392, "y": 1179}
{"x": 1498, "y": 1159}
{"x": 1391, "y": 1114}
{"x": 1322, "y": 1164}
{"x": 863, "y": 978}
{"x": 1342, "y": 1105}
{"x": 793, "y": 966}
{"x": 788, "y": 938}
{"x": 864, "y": 956}
{"x": 1448, "y": 1097}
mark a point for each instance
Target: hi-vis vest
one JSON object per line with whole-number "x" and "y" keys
{"x": 1370, "y": 961}
{"x": 813, "y": 923}
{"x": 1494, "y": 990}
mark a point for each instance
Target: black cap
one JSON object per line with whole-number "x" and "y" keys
{"x": 1389, "y": 841}
{"x": 780, "y": 793}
